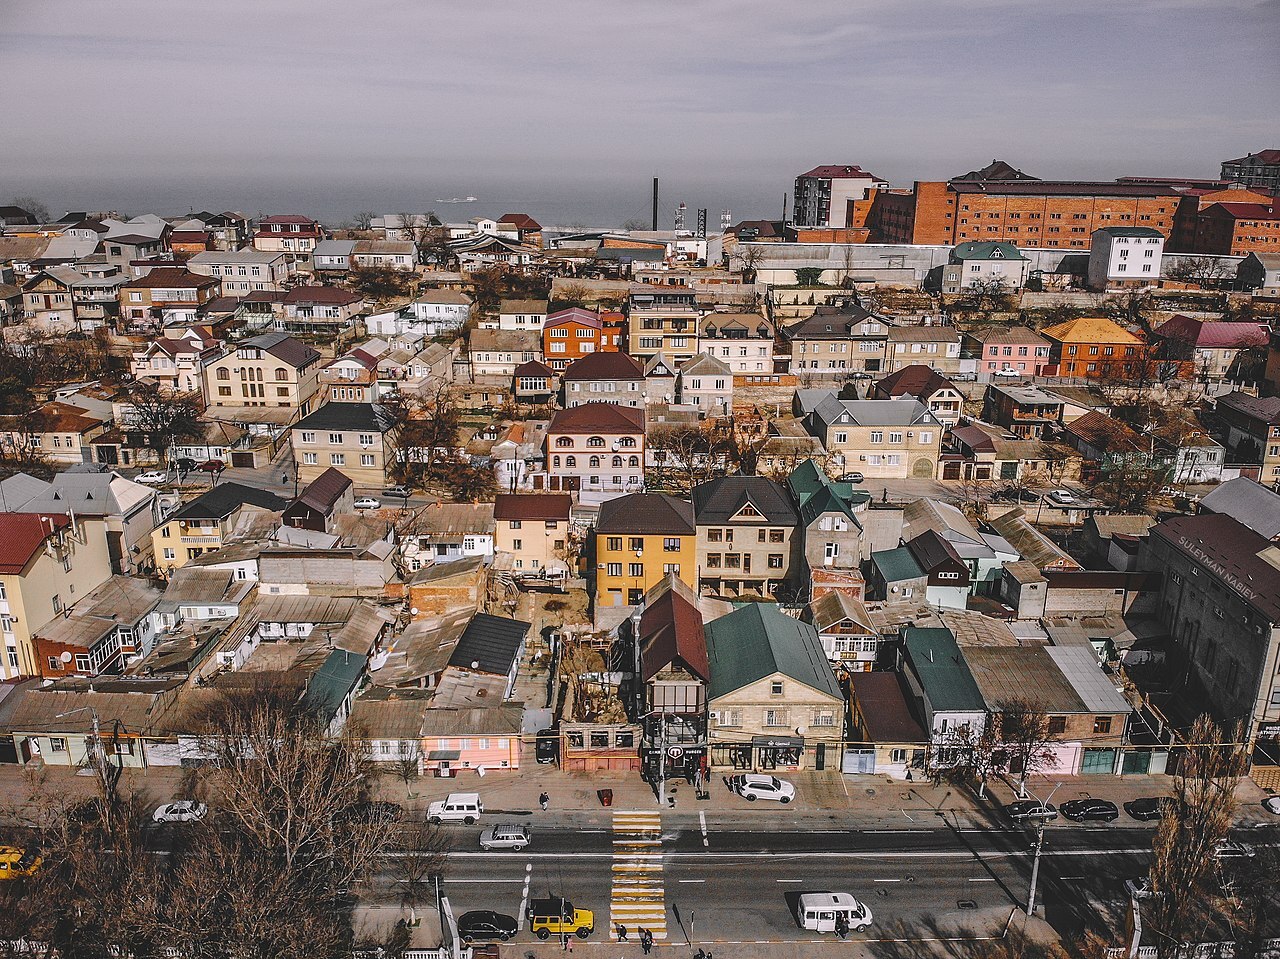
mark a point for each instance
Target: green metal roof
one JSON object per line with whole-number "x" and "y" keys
{"x": 757, "y": 641}
{"x": 816, "y": 494}
{"x": 944, "y": 676}
{"x": 896, "y": 565}
{"x": 331, "y": 683}
{"x": 987, "y": 250}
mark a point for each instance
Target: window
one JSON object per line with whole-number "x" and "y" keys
{"x": 309, "y": 459}
{"x": 1057, "y": 725}
{"x": 877, "y": 436}
{"x": 775, "y": 689}
{"x": 335, "y": 439}
{"x": 895, "y": 437}
{"x": 57, "y": 744}
{"x": 824, "y": 717}
{"x": 613, "y": 543}
{"x": 1102, "y": 724}
{"x": 366, "y": 459}
{"x": 713, "y": 561}
{"x": 635, "y": 569}
{"x": 54, "y": 664}
{"x": 670, "y": 568}
{"x": 82, "y": 662}
{"x": 775, "y": 717}
{"x": 842, "y": 437}
{"x": 308, "y": 437}
{"x": 614, "y": 569}
{"x": 897, "y": 756}
{"x": 671, "y": 544}
{"x": 637, "y": 543}
{"x": 366, "y": 439}
{"x": 337, "y": 459}
{"x": 775, "y": 561}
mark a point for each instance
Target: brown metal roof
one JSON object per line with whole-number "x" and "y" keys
{"x": 532, "y": 506}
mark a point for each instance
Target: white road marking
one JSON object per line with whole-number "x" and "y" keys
{"x": 691, "y": 880}
{"x": 702, "y": 821}
{"x": 638, "y": 899}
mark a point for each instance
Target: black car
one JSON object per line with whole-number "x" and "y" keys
{"x": 1016, "y": 494}
{"x": 1030, "y": 809}
{"x": 486, "y": 924}
{"x": 547, "y": 747}
{"x": 1090, "y": 810}
{"x": 1148, "y": 809}
{"x": 184, "y": 464}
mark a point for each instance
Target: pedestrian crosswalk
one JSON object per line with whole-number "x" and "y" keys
{"x": 638, "y": 900}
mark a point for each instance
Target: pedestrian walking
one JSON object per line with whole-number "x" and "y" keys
{"x": 646, "y": 940}
{"x": 622, "y": 933}
{"x": 842, "y": 927}
{"x": 544, "y": 801}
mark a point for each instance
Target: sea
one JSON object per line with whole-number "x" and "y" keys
{"x": 335, "y": 201}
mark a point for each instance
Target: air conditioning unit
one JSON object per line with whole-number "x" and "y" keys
{"x": 862, "y": 459}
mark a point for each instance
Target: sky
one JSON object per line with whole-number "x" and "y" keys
{"x": 569, "y": 107}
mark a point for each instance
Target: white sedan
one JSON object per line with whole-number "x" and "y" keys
{"x": 152, "y": 476}
{"x": 1061, "y": 496}
{"x": 367, "y": 502}
{"x": 751, "y": 787}
{"x": 186, "y": 810}
{"x": 1272, "y": 805}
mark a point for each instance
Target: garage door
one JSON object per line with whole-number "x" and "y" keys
{"x": 1098, "y": 762}
{"x": 858, "y": 762}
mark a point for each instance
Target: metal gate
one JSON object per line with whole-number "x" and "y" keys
{"x": 858, "y": 762}
{"x": 1135, "y": 762}
{"x": 1098, "y": 762}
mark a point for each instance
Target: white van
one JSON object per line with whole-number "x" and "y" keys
{"x": 459, "y": 807}
{"x": 818, "y": 911}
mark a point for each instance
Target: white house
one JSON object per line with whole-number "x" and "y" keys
{"x": 1125, "y": 256}
{"x": 522, "y": 315}
{"x": 985, "y": 263}
{"x": 434, "y": 313}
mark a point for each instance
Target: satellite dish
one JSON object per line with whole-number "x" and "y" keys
{"x": 414, "y": 611}
{"x": 64, "y": 657}
{"x": 475, "y": 664}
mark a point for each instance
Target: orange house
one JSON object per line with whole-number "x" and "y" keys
{"x": 1095, "y": 348}
{"x": 569, "y": 335}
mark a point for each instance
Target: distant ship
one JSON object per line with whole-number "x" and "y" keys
{"x": 459, "y": 199}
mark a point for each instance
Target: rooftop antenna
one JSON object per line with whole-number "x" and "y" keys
{"x": 655, "y": 205}
{"x": 680, "y": 217}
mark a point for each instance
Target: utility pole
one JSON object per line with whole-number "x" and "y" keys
{"x": 1035, "y": 864}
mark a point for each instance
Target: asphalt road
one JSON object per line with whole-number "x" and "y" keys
{"x": 738, "y": 885}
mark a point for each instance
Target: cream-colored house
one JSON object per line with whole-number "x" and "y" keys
{"x": 533, "y": 529}
{"x": 356, "y": 438}
{"x": 273, "y": 369}
{"x": 877, "y": 438}
{"x": 50, "y": 561}
{"x": 774, "y": 701}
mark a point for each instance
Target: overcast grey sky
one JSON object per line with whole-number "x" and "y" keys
{"x": 262, "y": 97}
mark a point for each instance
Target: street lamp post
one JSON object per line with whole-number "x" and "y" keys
{"x": 1035, "y": 864}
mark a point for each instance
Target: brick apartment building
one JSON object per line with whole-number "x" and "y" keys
{"x": 1028, "y": 212}
{"x": 1260, "y": 170}
{"x": 1237, "y": 229}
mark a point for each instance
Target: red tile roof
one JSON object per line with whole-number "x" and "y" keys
{"x": 915, "y": 380}
{"x": 605, "y": 366}
{"x": 598, "y": 418}
{"x": 532, "y": 506}
{"x": 671, "y": 632}
{"x": 1106, "y": 433}
{"x": 1262, "y": 156}
{"x": 21, "y": 535}
{"x": 521, "y": 221}
{"x": 1213, "y": 335}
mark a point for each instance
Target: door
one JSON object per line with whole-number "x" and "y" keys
{"x": 1136, "y": 763}
{"x": 1098, "y": 762}
{"x": 858, "y": 762}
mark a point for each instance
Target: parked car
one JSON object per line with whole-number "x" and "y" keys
{"x": 152, "y": 476}
{"x": 751, "y": 786}
{"x": 486, "y": 924}
{"x": 16, "y": 861}
{"x": 1061, "y": 496}
{"x": 457, "y": 807}
{"x": 1025, "y": 809}
{"x": 556, "y": 916}
{"x": 397, "y": 492}
{"x": 1272, "y": 805}
{"x": 212, "y": 466}
{"x": 1232, "y": 849}
{"x": 185, "y": 810}
{"x": 1016, "y": 493}
{"x": 854, "y": 477}
{"x": 964, "y": 377}
{"x": 1010, "y": 374}
{"x": 505, "y": 836}
{"x": 367, "y": 502}
{"x": 1148, "y": 809}
{"x": 1090, "y": 810}
{"x": 547, "y": 746}
{"x": 820, "y": 911}
{"x": 185, "y": 464}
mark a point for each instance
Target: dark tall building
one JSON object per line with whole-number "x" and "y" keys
{"x": 1260, "y": 170}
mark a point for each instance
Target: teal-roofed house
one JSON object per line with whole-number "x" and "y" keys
{"x": 947, "y": 697}
{"x": 774, "y": 701}
{"x": 985, "y": 263}
{"x": 333, "y": 687}
{"x": 832, "y": 520}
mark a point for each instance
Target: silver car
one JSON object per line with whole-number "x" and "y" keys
{"x": 505, "y": 836}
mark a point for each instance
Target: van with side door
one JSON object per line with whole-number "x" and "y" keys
{"x": 820, "y": 911}
{"x": 558, "y": 917}
{"x": 458, "y": 807}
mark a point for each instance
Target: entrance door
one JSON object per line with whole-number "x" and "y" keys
{"x": 1136, "y": 762}
{"x": 1098, "y": 762}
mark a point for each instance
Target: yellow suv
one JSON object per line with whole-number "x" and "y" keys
{"x": 557, "y": 917}
{"x": 15, "y": 862}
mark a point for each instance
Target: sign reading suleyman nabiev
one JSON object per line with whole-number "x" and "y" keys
{"x": 1235, "y": 582}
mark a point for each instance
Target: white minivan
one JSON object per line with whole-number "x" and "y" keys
{"x": 818, "y": 911}
{"x": 458, "y": 807}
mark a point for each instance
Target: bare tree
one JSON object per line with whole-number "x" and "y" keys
{"x": 1023, "y": 732}
{"x": 1210, "y": 763}
{"x": 34, "y": 206}
{"x": 163, "y": 417}
{"x": 748, "y": 258}
{"x": 1208, "y": 272}
{"x": 689, "y": 455}
{"x": 363, "y": 220}
{"x": 408, "y": 764}
{"x": 976, "y": 752}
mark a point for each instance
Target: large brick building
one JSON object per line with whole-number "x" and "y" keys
{"x": 1236, "y": 229}
{"x": 1256, "y": 170}
{"x": 1025, "y": 211}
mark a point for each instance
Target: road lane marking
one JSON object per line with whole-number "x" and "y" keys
{"x": 702, "y": 821}
{"x": 886, "y": 880}
{"x": 983, "y": 879}
{"x": 690, "y": 880}
{"x": 788, "y": 880}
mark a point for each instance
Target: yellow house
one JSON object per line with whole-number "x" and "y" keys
{"x": 273, "y": 369}
{"x": 639, "y": 539}
{"x": 200, "y": 526}
{"x": 48, "y": 561}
